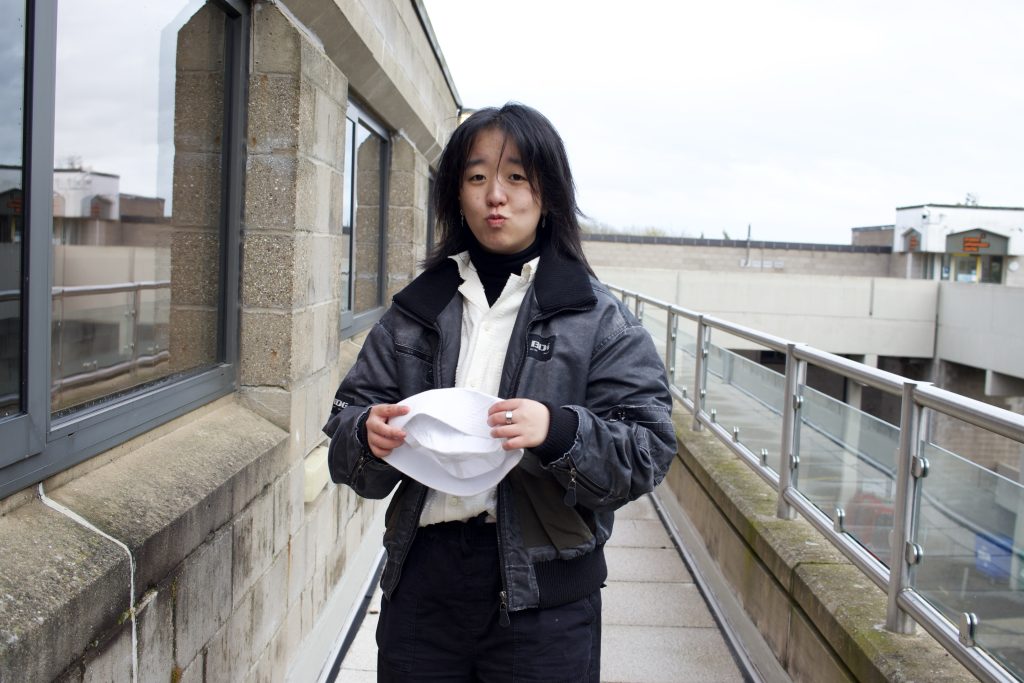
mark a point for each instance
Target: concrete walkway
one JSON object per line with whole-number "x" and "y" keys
{"x": 656, "y": 626}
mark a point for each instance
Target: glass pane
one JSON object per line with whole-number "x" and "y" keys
{"x": 366, "y": 265}
{"x": 971, "y": 527}
{"x": 847, "y": 461}
{"x": 347, "y": 212}
{"x": 136, "y": 195}
{"x": 12, "y": 116}
{"x": 748, "y": 396}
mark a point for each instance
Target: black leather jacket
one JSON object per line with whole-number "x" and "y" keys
{"x": 573, "y": 345}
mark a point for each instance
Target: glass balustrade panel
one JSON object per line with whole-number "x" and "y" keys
{"x": 847, "y": 463}
{"x": 971, "y": 528}
{"x": 747, "y": 396}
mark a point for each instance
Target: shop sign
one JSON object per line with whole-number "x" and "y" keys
{"x": 976, "y": 241}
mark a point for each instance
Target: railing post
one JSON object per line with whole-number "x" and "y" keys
{"x": 700, "y": 372}
{"x": 670, "y": 344}
{"x": 789, "y": 456}
{"x": 910, "y": 469}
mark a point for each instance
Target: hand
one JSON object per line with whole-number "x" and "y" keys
{"x": 529, "y": 427}
{"x": 381, "y": 437}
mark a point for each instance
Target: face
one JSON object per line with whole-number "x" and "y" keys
{"x": 500, "y": 207}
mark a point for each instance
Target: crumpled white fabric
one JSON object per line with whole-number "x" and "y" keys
{"x": 448, "y": 444}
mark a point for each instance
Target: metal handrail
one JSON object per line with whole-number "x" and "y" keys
{"x": 905, "y": 605}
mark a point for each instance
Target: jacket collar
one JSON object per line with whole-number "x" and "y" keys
{"x": 560, "y": 283}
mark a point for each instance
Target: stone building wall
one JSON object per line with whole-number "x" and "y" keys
{"x": 732, "y": 255}
{"x": 216, "y": 549}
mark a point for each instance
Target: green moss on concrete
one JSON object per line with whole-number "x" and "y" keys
{"x": 843, "y": 607}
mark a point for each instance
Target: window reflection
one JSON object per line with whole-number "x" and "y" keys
{"x": 136, "y": 196}
{"x": 362, "y": 214}
{"x": 366, "y": 250}
{"x": 12, "y": 115}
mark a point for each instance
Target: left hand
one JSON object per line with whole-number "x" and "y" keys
{"x": 530, "y": 423}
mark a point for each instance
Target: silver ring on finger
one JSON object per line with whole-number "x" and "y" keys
{"x": 508, "y": 417}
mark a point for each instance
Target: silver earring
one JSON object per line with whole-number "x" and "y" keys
{"x": 543, "y": 221}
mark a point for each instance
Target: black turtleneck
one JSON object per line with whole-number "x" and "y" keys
{"x": 494, "y": 269}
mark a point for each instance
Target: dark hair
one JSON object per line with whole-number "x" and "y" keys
{"x": 546, "y": 165}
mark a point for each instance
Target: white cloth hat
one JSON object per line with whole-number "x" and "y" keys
{"x": 448, "y": 443}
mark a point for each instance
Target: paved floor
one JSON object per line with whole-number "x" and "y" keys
{"x": 656, "y": 626}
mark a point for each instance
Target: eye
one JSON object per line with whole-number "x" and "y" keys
{"x": 475, "y": 178}
{"x": 517, "y": 177}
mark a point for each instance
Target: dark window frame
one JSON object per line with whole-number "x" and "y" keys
{"x": 36, "y": 445}
{"x": 352, "y": 323}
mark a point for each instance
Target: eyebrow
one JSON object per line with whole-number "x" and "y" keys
{"x": 477, "y": 162}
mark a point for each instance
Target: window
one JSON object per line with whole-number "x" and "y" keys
{"x": 364, "y": 216}
{"x": 12, "y": 126}
{"x": 131, "y": 222}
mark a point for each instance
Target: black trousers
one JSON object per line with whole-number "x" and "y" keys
{"x": 443, "y": 621}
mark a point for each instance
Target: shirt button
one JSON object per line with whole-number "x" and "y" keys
{"x": 454, "y": 500}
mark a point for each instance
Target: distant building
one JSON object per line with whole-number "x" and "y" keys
{"x": 872, "y": 236}
{"x": 961, "y": 243}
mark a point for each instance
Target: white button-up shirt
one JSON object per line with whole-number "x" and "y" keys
{"x": 486, "y": 331}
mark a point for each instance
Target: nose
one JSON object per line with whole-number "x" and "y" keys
{"x": 495, "y": 193}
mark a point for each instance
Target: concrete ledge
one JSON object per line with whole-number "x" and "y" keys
{"x": 64, "y": 589}
{"x": 822, "y": 618}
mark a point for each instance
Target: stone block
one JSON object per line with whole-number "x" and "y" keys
{"x": 194, "y": 672}
{"x": 155, "y": 619}
{"x": 854, "y": 629}
{"x": 266, "y": 348}
{"x": 276, "y": 43}
{"x": 401, "y": 225}
{"x": 314, "y": 209}
{"x": 320, "y": 284}
{"x": 269, "y": 269}
{"x": 299, "y": 569}
{"x": 201, "y": 41}
{"x": 809, "y": 658}
{"x": 401, "y": 190}
{"x": 229, "y": 653}
{"x": 275, "y": 118}
{"x": 195, "y": 268}
{"x": 51, "y": 570}
{"x": 328, "y": 130}
{"x": 202, "y": 596}
{"x": 288, "y": 505}
{"x": 403, "y": 154}
{"x": 268, "y": 606}
{"x": 270, "y": 191}
{"x": 765, "y": 601}
{"x": 193, "y": 337}
{"x": 271, "y": 403}
{"x": 303, "y": 353}
{"x": 179, "y": 488}
{"x": 197, "y": 189}
{"x": 252, "y": 544}
{"x": 199, "y": 112}
{"x": 112, "y": 660}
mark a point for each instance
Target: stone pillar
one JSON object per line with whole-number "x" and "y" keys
{"x": 195, "y": 238}
{"x": 407, "y": 215}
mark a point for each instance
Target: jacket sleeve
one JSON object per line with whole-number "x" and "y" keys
{"x": 370, "y": 381}
{"x": 626, "y": 439}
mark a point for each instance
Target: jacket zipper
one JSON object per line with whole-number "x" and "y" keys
{"x": 503, "y": 618}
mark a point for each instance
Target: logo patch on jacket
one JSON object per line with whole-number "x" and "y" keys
{"x": 338, "y": 404}
{"x": 539, "y": 347}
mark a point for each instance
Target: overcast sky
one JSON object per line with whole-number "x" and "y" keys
{"x": 801, "y": 118}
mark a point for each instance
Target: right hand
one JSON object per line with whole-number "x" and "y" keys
{"x": 381, "y": 437}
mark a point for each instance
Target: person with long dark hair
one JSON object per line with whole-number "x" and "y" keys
{"x": 504, "y": 585}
